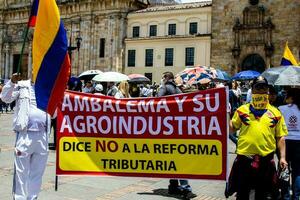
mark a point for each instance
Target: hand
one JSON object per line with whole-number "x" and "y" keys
{"x": 283, "y": 163}
{"x": 15, "y": 77}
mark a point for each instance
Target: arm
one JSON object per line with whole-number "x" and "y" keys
{"x": 231, "y": 128}
{"x": 9, "y": 94}
{"x": 235, "y": 123}
{"x": 281, "y": 148}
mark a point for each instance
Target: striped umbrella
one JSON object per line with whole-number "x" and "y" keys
{"x": 138, "y": 78}
{"x": 194, "y": 75}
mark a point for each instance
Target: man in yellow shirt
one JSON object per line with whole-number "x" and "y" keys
{"x": 262, "y": 129}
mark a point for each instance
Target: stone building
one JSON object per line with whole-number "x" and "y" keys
{"x": 251, "y": 34}
{"x": 97, "y": 27}
{"x": 168, "y": 38}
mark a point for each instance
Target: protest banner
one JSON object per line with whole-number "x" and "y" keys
{"x": 178, "y": 136}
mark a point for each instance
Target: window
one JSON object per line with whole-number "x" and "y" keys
{"x": 189, "y": 56}
{"x": 131, "y": 58}
{"x": 169, "y": 55}
{"x": 149, "y": 58}
{"x": 193, "y": 28}
{"x": 149, "y": 75}
{"x": 153, "y": 30}
{"x": 172, "y": 29}
{"x": 102, "y": 48}
{"x": 136, "y": 31}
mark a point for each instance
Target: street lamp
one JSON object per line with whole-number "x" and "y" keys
{"x": 72, "y": 48}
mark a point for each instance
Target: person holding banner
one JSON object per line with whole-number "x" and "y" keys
{"x": 168, "y": 87}
{"x": 262, "y": 129}
{"x": 31, "y": 149}
{"x": 111, "y": 89}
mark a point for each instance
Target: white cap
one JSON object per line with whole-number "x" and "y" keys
{"x": 99, "y": 88}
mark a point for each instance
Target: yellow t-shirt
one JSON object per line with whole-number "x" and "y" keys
{"x": 258, "y": 135}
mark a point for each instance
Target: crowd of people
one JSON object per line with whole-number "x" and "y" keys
{"x": 264, "y": 124}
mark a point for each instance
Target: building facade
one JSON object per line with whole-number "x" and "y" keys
{"x": 96, "y": 30}
{"x": 168, "y": 38}
{"x": 251, "y": 34}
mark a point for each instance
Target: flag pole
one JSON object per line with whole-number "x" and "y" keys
{"x": 22, "y": 50}
{"x": 24, "y": 40}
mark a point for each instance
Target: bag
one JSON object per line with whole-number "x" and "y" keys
{"x": 284, "y": 174}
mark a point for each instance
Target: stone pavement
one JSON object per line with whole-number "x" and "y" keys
{"x": 96, "y": 188}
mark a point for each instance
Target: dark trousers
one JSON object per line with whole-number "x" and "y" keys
{"x": 260, "y": 177}
{"x": 293, "y": 158}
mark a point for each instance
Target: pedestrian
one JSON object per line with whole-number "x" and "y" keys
{"x": 123, "y": 90}
{"x": 134, "y": 90}
{"x": 234, "y": 104}
{"x": 146, "y": 91}
{"x": 31, "y": 149}
{"x": 98, "y": 89}
{"x": 111, "y": 89}
{"x": 168, "y": 87}
{"x": 262, "y": 129}
{"x": 291, "y": 113}
{"x": 88, "y": 88}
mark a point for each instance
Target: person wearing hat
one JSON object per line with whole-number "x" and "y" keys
{"x": 32, "y": 127}
{"x": 98, "y": 89}
{"x": 262, "y": 130}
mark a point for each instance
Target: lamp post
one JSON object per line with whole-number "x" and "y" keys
{"x": 72, "y": 48}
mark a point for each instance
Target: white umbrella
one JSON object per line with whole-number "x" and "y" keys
{"x": 284, "y": 75}
{"x": 89, "y": 74}
{"x": 111, "y": 77}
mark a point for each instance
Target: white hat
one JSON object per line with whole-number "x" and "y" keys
{"x": 99, "y": 88}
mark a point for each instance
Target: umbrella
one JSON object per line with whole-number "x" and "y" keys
{"x": 222, "y": 75}
{"x": 195, "y": 75}
{"x": 284, "y": 75}
{"x": 111, "y": 77}
{"x": 138, "y": 78}
{"x": 246, "y": 75}
{"x": 88, "y": 75}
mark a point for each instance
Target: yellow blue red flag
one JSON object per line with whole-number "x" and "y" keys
{"x": 51, "y": 63}
{"x": 33, "y": 13}
{"x": 288, "y": 57}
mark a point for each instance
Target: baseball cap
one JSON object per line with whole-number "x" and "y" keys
{"x": 260, "y": 82}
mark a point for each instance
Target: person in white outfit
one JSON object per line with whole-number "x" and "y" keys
{"x": 31, "y": 149}
{"x": 291, "y": 113}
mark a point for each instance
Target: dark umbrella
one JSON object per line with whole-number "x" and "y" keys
{"x": 284, "y": 75}
{"x": 89, "y": 75}
{"x": 245, "y": 75}
{"x": 138, "y": 78}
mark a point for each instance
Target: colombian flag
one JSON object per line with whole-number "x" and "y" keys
{"x": 51, "y": 63}
{"x": 33, "y": 13}
{"x": 288, "y": 57}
